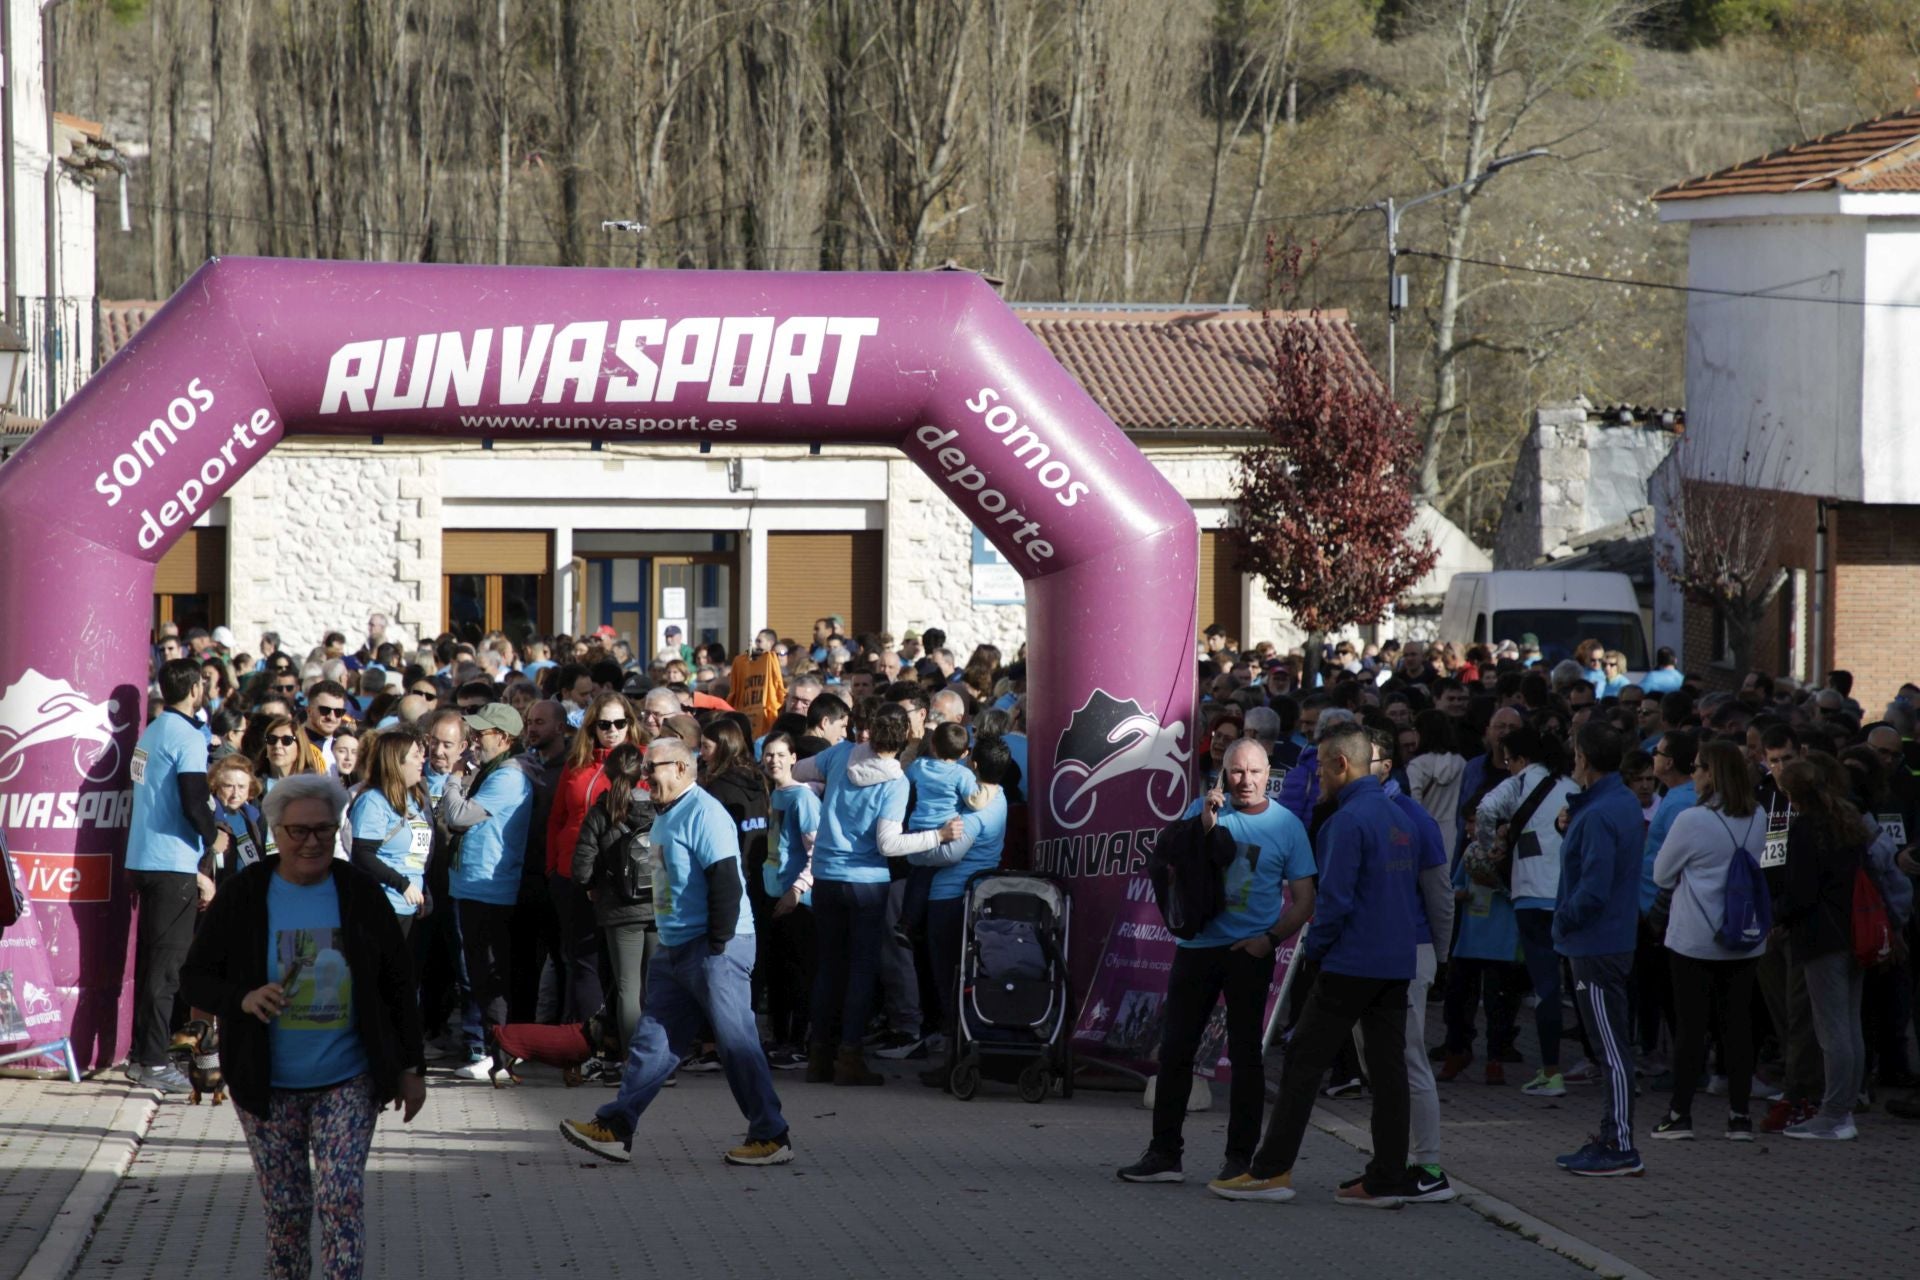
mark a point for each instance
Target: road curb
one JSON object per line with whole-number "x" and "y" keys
{"x": 74, "y": 1223}
{"x": 1506, "y": 1214}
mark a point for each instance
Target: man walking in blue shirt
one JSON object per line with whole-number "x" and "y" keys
{"x": 702, "y": 972}
{"x": 1363, "y": 938}
{"x": 1594, "y": 926}
{"x": 173, "y": 823}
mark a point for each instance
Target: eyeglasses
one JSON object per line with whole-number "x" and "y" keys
{"x": 302, "y": 834}
{"x": 319, "y": 710}
{"x": 281, "y": 739}
{"x": 1661, "y": 752}
{"x": 654, "y": 766}
{"x": 612, "y": 726}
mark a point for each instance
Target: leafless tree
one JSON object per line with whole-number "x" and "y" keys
{"x": 1720, "y": 540}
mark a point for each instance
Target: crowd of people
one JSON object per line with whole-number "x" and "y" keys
{"x": 743, "y": 863}
{"x": 754, "y": 863}
{"x": 1720, "y": 882}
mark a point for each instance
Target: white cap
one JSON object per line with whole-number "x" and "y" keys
{"x": 223, "y": 636}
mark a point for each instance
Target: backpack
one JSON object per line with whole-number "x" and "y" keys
{"x": 631, "y": 873}
{"x": 1749, "y": 907}
{"x": 1872, "y": 928}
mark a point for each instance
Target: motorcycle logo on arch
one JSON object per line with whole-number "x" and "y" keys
{"x": 1110, "y": 738}
{"x": 36, "y": 710}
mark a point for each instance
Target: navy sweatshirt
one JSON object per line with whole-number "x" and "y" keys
{"x": 1600, "y": 863}
{"x": 1363, "y": 915}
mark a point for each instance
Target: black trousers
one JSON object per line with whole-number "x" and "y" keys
{"x": 1338, "y": 1002}
{"x": 486, "y": 935}
{"x": 169, "y": 902}
{"x": 1717, "y": 996}
{"x": 536, "y": 933}
{"x": 1199, "y": 977}
{"x": 788, "y": 963}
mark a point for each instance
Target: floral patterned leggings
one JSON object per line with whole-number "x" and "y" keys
{"x": 323, "y": 1132}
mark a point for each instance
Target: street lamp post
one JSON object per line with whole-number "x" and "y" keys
{"x": 1397, "y": 283}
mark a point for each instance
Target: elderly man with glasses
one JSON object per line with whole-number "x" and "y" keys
{"x": 702, "y": 973}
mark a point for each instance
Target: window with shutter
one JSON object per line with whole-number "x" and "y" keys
{"x": 1220, "y": 597}
{"x": 816, "y": 575}
{"x": 190, "y": 582}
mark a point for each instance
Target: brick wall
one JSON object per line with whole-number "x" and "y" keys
{"x": 1876, "y": 598}
{"x": 1796, "y": 519}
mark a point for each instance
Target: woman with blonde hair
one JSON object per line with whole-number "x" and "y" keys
{"x": 610, "y": 721}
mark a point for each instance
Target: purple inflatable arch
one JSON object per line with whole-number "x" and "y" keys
{"x": 251, "y": 350}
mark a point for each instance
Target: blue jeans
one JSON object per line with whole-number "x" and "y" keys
{"x": 686, "y": 986}
{"x": 1543, "y": 967}
{"x": 850, "y": 923}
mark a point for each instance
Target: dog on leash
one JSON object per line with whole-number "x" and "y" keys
{"x": 196, "y": 1051}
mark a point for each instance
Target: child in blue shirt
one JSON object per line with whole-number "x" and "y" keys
{"x": 940, "y": 782}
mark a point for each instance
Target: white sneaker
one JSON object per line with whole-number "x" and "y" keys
{"x": 478, "y": 1069}
{"x": 1822, "y": 1129}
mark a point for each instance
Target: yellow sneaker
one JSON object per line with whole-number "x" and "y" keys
{"x": 592, "y": 1135}
{"x": 763, "y": 1151}
{"x": 1278, "y": 1188}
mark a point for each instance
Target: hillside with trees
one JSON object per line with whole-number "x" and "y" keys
{"x": 1087, "y": 150}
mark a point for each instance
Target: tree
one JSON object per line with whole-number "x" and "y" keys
{"x": 1720, "y": 544}
{"x": 1501, "y": 62}
{"x": 1323, "y": 508}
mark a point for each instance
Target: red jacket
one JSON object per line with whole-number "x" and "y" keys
{"x": 580, "y": 786}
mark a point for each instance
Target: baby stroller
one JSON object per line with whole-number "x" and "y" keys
{"x": 1015, "y": 1023}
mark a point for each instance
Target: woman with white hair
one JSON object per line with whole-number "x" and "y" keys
{"x": 303, "y": 962}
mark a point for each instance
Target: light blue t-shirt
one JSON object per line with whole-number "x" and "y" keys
{"x": 1270, "y": 849}
{"x": 1676, "y": 802}
{"x": 988, "y": 827}
{"x": 847, "y": 848}
{"x": 690, "y": 835}
{"x": 491, "y": 853}
{"x": 405, "y": 846}
{"x": 796, "y": 814}
{"x": 1662, "y": 680}
{"x": 160, "y": 838}
{"x": 938, "y": 788}
{"x": 314, "y": 1042}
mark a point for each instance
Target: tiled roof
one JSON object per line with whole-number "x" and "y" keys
{"x": 1882, "y": 154}
{"x": 1152, "y": 369}
{"x": 119, "y": 321}
{"x": 1157, "y": 370}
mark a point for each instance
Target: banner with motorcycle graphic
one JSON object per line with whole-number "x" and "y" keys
{"x": 252, "y": 350}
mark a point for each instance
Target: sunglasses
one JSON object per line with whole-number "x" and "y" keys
{"x": 428, "y": 692}
{"x": 288, "y": 689}
{"x": 319, "y": 710}
{"x": 614, "y": 726}
{"x": 281, "y": 739}
{"x": 655, "y": 766}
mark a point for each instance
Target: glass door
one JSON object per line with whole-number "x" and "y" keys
{"x": 695, "y": 594}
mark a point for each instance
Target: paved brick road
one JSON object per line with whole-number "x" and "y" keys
{"x": 49, "y": 1130}
{"x": 890, "y": 1182}
{"x": 1773, "y": 1209}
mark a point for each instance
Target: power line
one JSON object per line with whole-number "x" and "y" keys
{"x": 1761, "y": 295}
{"x": 353, "y": 229}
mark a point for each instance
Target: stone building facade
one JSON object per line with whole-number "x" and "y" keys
{"x": 1581, "y": 469}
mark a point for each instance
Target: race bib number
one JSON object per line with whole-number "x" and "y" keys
{"x": 1775, "y": 852}
{"x": 420, "y": 846}
{"x": 138, "y": 770}
{"x": 1896, "y": 826}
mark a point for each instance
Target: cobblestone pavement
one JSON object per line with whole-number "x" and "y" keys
{"x": 1773, "y": 1208}
{"x": 49, "y": 1130}
{"x": 893, "y": 1182}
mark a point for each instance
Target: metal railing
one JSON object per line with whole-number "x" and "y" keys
{"x": 69, "y": 328}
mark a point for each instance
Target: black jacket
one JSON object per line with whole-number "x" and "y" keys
{"x": 600, "y": 856}
{"x": 1188, "y": 870}
{"x": 743, "y": 794}
{"x": 1818, "y": 905}
{"x": 229, "y": 959}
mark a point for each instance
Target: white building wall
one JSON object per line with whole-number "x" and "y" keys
{"x": 1889, "y": 375}
{"x": 1794, "y": 367}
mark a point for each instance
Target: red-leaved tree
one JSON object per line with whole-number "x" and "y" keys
{"x": 1323, "y": 508}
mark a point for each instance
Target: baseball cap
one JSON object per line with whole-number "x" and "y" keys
{"x": 497, "y": 715}
{"x": 223, "y": 636}
{"x": 911, "y": 635}
{"x": 605, "y": 631}
{"x": 670, "y": 631}
{"x": 1529, "y": 641}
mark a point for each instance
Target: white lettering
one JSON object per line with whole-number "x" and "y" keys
{"x": 387, "y": 394}
{"x": 633, "y": 335}
{"x": 350, "y": 376}
{"x": 794, "y": 366}
{"x": 465, "y": 371}
{"x": 758, "y": 330}
{"x": 576, "y": 359}
{"x": 850, "y": 330}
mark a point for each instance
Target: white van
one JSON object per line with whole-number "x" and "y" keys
{"x": 1558, "y": 609}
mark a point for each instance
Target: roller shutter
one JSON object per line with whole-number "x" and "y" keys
{"x": 814, "y": 575}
